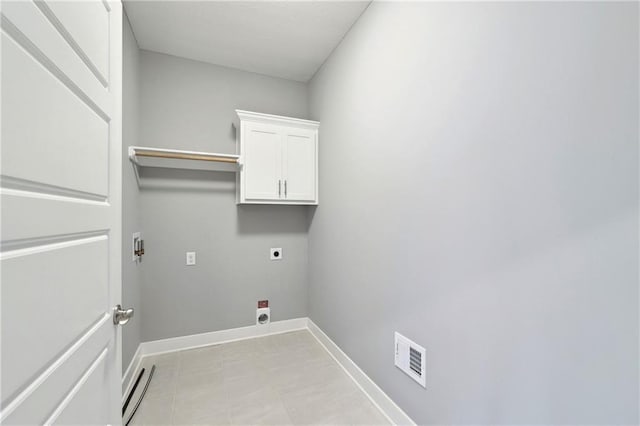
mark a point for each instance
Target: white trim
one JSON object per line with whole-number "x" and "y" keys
{"x": 128, "y": 376}
{"x": 193, "y": 341}
{"x": 223, "y": 336}
{"x": 377, "y": 396}
{"x": 277, "y": 119}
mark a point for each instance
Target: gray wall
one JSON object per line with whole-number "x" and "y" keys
{"x": 131, "y": 276}
{"x": 190, "y": 105}
{"x": 479, "y": 187}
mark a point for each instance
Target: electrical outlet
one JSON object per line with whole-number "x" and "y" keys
{"x": 191, "y": 258}
{"x": 263, "y": 316}
{"x": 276, "y": 254}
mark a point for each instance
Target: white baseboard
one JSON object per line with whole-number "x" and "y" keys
{"x": 375, "y": 394}
{"x": 223, "y": 336}
{"x": 193, "y": 341}
{"x": 128, "y": 376}
{"x": 368, "y": 386}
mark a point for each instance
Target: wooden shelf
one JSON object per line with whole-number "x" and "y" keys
{"x": 179, "y": 159}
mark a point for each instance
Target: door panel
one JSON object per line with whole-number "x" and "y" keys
{"x": 49, "y": 152}
{"x": 49, "y": 279}
{"x": 300, "y": 164}
{"x": 80, "y": 405}
{"x": 49, "y": 390}
{"x": 65, "y": 215}
{"x": 61, "y": 212}
{"x": 85, "y": 26}
{"x": 25, "y": 22}
{"x": 262, "y": 162}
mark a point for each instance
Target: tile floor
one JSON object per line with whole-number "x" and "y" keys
{"x": 283, "y": 379}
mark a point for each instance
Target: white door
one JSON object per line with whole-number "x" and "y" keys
{"x": 299, "y": 165}
{"x": 262, "y": 156}
{"x": 60, "y": 193}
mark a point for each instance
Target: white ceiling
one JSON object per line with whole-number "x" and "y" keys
{"x": 287, "y": 39}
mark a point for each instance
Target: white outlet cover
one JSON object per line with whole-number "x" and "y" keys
{"x": 191, "y": 258}
{"x": 275, "y": 253}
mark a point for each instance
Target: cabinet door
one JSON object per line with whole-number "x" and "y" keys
{"x": 262, "y": 169}
{"x": 299, "y": 167}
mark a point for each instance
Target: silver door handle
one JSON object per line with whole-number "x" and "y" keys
{"x": 285, "y": 188}
{"x": 121, "y": 316}
{"x": 279, "y": 188}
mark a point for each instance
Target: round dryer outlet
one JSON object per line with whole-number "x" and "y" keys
{"x": 263, "y": 316}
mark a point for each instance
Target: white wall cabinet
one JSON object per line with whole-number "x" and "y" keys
{"x": 279, "y": 159}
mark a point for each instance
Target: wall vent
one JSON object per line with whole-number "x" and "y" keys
{"x": 410, "y": 358}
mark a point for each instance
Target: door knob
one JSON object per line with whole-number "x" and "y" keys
{"x": 121, "y": 316}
